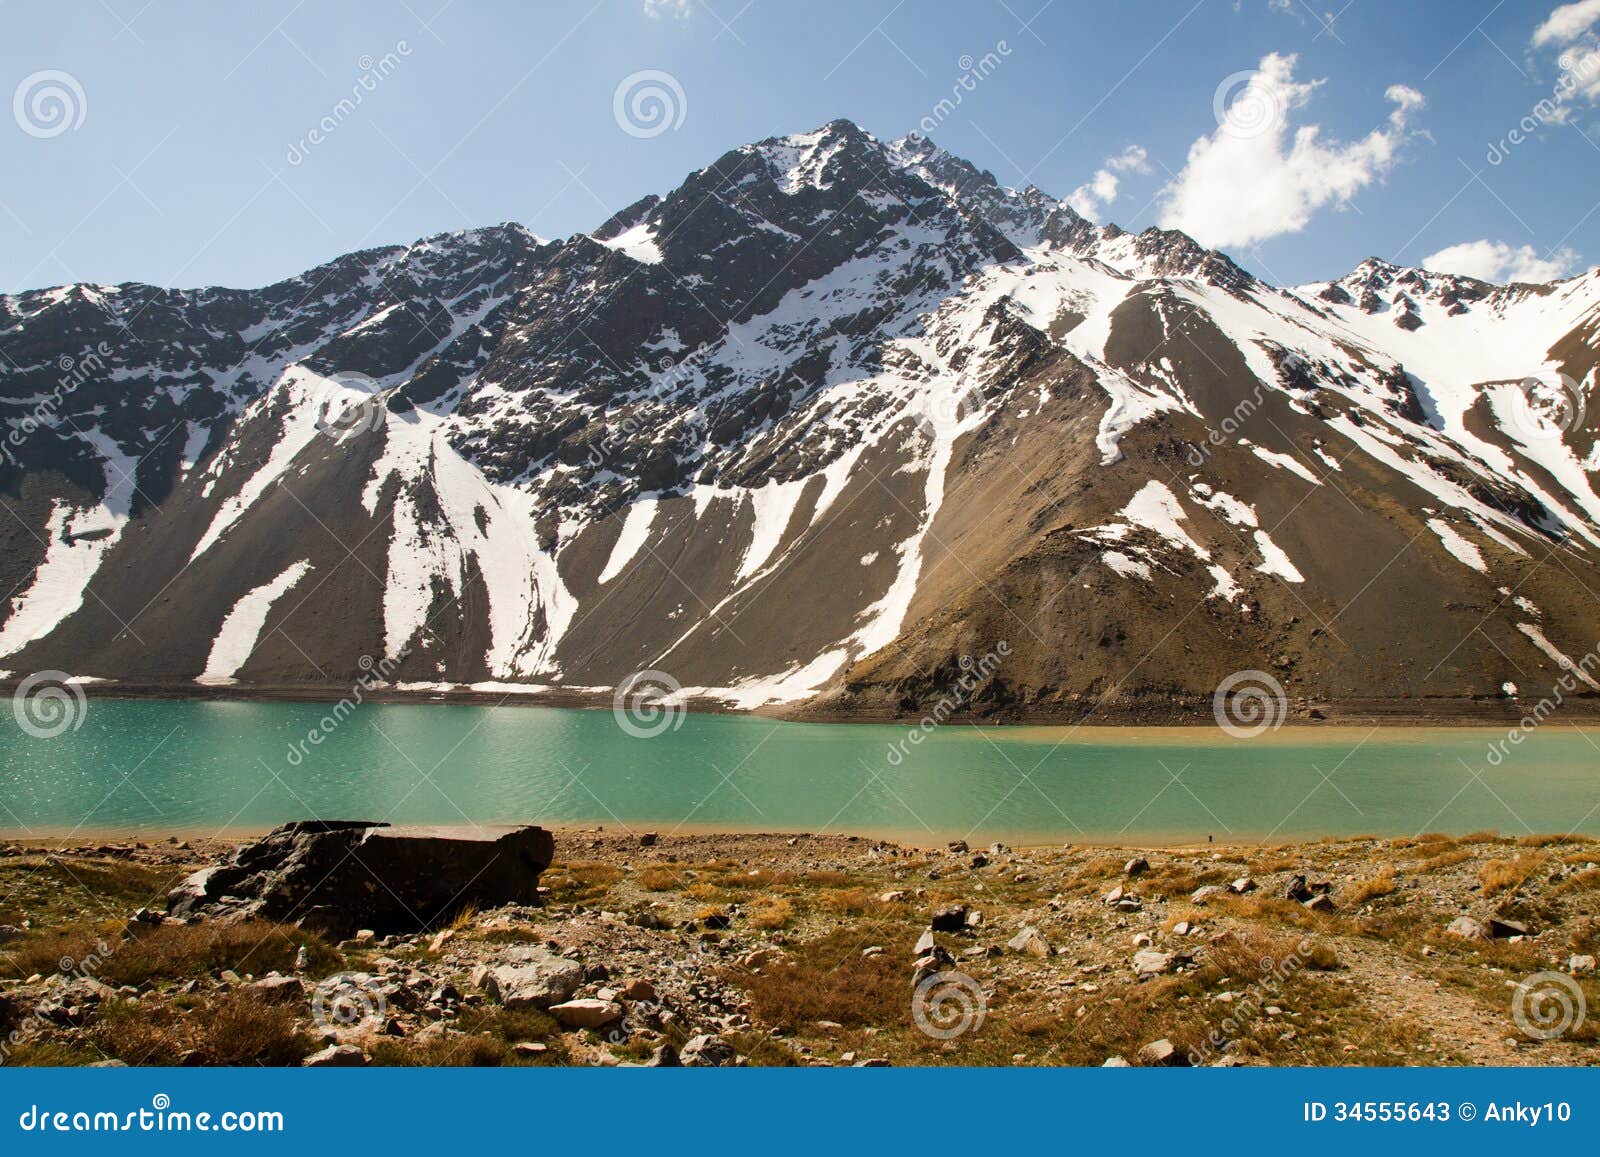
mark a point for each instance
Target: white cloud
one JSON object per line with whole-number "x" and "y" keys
{"x": 1501, "y": 263}
{"x": 656, "y": 9}
{"x": 1567, "y": 23}
{"x": 1100, "y": 190}
{"x": 1261, "y": 176}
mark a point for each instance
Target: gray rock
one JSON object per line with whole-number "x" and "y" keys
{"x": 1029, "y": 942}
{"x": 1162, "y": 1053}
{"x": 538, "y": 980}
{"x": 1323, "y": 903}
{"x": 925, "y": 943}
{"x": 336, "y": 1057}
{"x": 1468, "y": 928}
{"x": 587, "y": 1013}
{"x": 1202, "y": 894}
{"x": 1152, "y": 962}
{"x": 275, "y": 989}
{"x": 1137, "y": 866}
{"x": 707, "y": 1051}
{"x": 1242, "y": 885}
{"x": 1115, "y": 1063}
{"x": 1581, "y": 965}
{"x": 1502, "y": 928}
{"x": 340, "y": 876}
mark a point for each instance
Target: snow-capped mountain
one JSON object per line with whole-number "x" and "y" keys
{"x": 819, "y": 423}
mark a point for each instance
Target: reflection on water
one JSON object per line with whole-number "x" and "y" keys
{"x": 171, "y": 766}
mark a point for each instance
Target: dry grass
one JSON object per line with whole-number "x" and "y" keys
{"x": 771, "y": 914}
{"x": 1448, "y": 859}
{"x": 660, "y": 879}
{"x": 849, "y": 901}
{"x": 828, "y": 979}
{"x": 1373, "y": 887}
{"x": 236, "y": 1028}
{"x": 167, "y": 953}
{"x": 1507, "y": 875}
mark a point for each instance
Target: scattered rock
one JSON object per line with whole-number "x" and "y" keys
{"x": 537, "y": 980}
{"x": 336, "y": 1057}
{"x": 1581, "y": 965}
{"x": 639, "y": 989}
{"x": 1502, "y": 928}
{"x": 530, "y": 1048}
{"x": 1029, "y": 942}
{"x": 950, "y": 918}
{"x": 648, "y": 840}
{"x": 1468, "y": 928}
{"x": 1137, "y": 866}
{"x": 1152, "y": 962}
{"x": 1242, "y": 885}
{"x": 1202, "y": 894}
{"x": 587, "y": 1013}
{"x": 1323, "y": 903}
{"x": 1298, "y": 890}
{"x": 1115, "y": 1063}
{"x": 707, "y": 1051}
{"x": 276, "y": 989}
{"x": 1162, "y": 1053}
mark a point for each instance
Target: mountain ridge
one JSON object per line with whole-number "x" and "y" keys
{"x": 816, "y": 424}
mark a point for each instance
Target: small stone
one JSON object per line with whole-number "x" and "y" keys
{"x": 950, "y": 918}
{"x": 1143, "y": 940}
{"x": 892, "y": 898}
{"x": 275, "y": 989}
{"x": 648, "y": 840}
{"x": 1136, "y": 866}
{"x": 1182, "y": 928}
{"x": 1323, "y": 903}
{"x": 1581, "y": 965}
{"x": 366, "y": 937}
{"x": 975, "y": 919}
{"x": 1151, "y": 962}
{"x": 1242, "y": 885}
{"x": 1502, "y": 928}
{"x": 1162, "y": 1053}
{"x": 1029, "y": 942}
{"x": 1115, "y": 1063}
{"x": 639, "y": 989}
{"x": 1298, "y": 890}
{"x": 1202, "y": 894}
{"x": 530, "y": 1048}
{"x": 336, "y": 1057}
{"x": 440, "y": 940}
{"x": 586, "y": 1013}
{"x": 1467, "y": 928}
{"x": 1115, "y": 895}
{"x": 707, "y": 1051}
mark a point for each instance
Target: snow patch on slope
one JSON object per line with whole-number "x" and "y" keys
{"x": 240, "y": 631}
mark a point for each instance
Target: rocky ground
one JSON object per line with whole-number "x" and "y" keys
{"x": 832, "y": 950}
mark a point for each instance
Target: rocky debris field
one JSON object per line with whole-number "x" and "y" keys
{"x": 712, "y": 950}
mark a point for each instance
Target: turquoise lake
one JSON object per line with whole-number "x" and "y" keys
{"x": 193, "y": 766}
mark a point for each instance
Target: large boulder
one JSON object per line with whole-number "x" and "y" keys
{"x": 341, "y": 876}
{"x": 532, "y": 978}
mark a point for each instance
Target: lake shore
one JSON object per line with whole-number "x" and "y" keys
{"x": 802, "y": 950}
{"x": 1497, "y": 712}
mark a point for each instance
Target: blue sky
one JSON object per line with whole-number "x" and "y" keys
{"x": 181, "y": 155}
